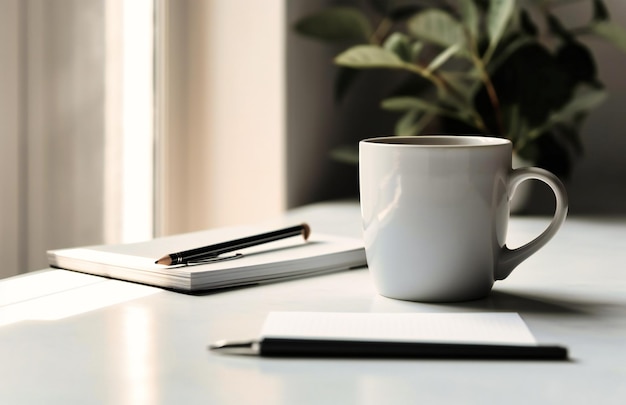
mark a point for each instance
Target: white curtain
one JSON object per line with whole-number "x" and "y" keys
{"x": 62, "y": 128}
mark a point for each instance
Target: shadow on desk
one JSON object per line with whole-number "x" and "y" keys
{"x": 547, "y": 304}
{"x": 535, "y": 303}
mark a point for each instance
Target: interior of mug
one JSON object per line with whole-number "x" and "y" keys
{"x": 439, "y": 140}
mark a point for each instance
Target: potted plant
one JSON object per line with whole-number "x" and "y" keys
{"x": 501, "y": 68}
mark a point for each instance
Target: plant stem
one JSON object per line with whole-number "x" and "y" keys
{"x": 381, "y": 31}
{"x": 444, "y": 89}
{"x": 491, "y": 92}
{"x": 473, "y": 47}
{"x": 495, "y": 102}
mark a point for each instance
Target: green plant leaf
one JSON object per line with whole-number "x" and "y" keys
{"x": 558, "y": 30}
{"x": 369, "y": 57}
{"x": 527, "y": 24}
{"x": 416, "y": 49}
{"x": 336, "y": 24}
{"x": 345, "y": 154}
{"x": 436, "y": 26}
{"x": 404, "y": 126}
{"x": 408, "y": 103}
{"x": 576, "y": 60}
{"x": 552, "y": 152}
{"x": 470, "y": 18}
{"x": 398, "y": 9}
{"x": 517, "y": 127}
{"x": 462, "y": 83}
{"x": 530, "y": 77}
{"x": 502, "y": 56}
{"x": 611, "y": 32}
{"x": 583, "y": 101}
{"x": 412, "y": 123}
{"x": 570, "y": 136}
{"x": 399, "y": 44}
{"x": 600, "y": 12}
{"x": 498, "y": 16}
{"x": 343, "y": 81}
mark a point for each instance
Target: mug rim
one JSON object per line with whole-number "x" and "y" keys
{"x": 437, "y": 141}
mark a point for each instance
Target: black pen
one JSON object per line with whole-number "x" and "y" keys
{"x": 282, "y": 347}
{"x": 206, "y": 252}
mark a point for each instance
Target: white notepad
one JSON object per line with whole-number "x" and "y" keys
{"x": 279, "y": 260}
{"x": 478, "y": 328}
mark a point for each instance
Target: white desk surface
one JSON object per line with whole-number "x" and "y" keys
{"x": 68, "y": 338}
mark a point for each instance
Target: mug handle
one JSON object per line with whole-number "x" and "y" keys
{"x": 509, "y": 259}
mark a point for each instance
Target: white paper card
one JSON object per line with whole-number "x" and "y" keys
{"x": 483, "y": 328}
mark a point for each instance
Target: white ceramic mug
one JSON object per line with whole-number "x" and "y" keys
{"x": 435, "y": 211}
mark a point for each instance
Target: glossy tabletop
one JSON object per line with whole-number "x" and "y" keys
{"x": 69, "y": 338}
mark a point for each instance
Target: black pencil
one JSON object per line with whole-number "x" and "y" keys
{"x": 217, "y": 249}
{"x": 285, "y": 347}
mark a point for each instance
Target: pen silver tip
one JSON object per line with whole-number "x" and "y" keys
{"x": 248, "y": 347}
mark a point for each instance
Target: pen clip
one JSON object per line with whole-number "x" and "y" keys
{"x": 214, "y": 259}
